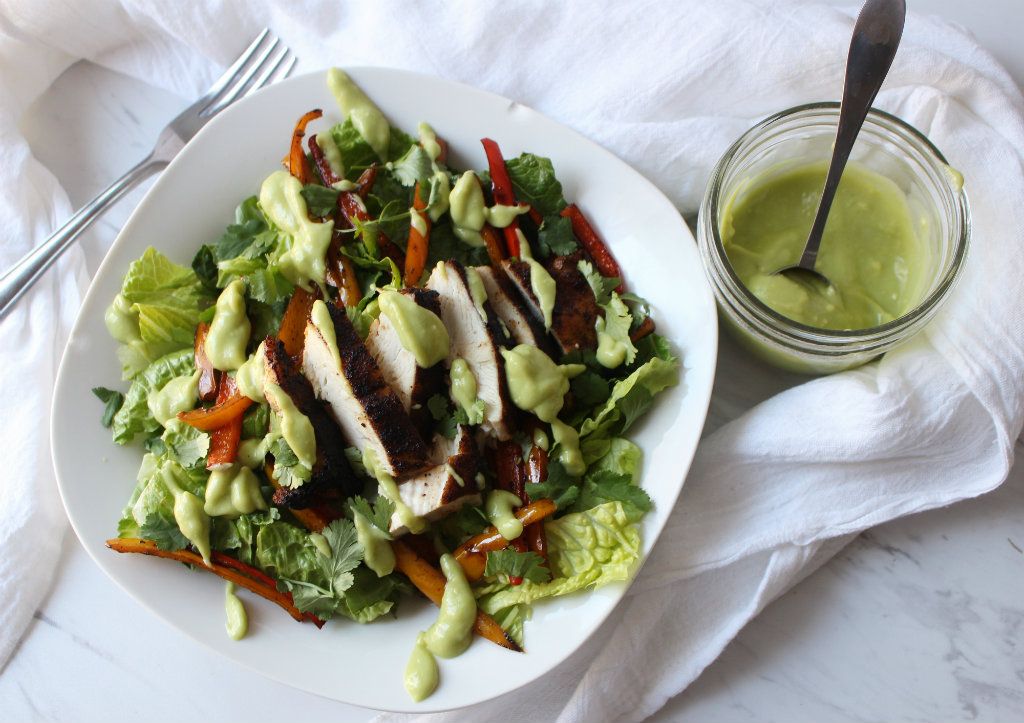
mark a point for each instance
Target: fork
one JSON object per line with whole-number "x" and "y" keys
{"x": 265, "y": 61}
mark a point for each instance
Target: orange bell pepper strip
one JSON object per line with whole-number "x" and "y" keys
{"x": 431, "y": 582}
{"x": 207, "y": 374}
{"x": 537, "y": 471}
{"x": 298, "y": 164}
{"x": 292, "y": 331}
{"x": 224, "y": 567}
{"x": 501, "y": 186}
{"x": 228, "y": 408}
{"x": 470, "y": 553}
{"x": 224, "y": 439}
{"x": 495, "y": 248}
{"x": 592, "y": 243}
{"x": 341, "y": 274}
{"x": 419, "y": 241}
{"x": 364, "y": 184}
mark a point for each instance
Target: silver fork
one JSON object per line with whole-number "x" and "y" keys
{"x": 265, "y": 61}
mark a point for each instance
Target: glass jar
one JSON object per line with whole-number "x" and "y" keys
{"x": 886, "y": 145}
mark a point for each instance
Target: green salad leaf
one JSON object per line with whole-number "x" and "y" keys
{"x": 510, "y": 564}
{"x": 607, "y": 486}
{"x": 320, "y": 200}
{"x": 559, "y": 487}
{"x": 163, "y": 530}
{"x": 534, "y": 182}
{"x": 112, "y": 401}
{"x": 134, "y": 416}
{"x": 413, "y": 167}
{"x": 586, "y": 549}
{"x": 356, "y": 153}
{"x": 555, "y": 237}
{"x": 378, "y": 514}
{"x": 185, "y": 444}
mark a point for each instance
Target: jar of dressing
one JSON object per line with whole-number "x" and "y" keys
{"x": 894, "y": 245}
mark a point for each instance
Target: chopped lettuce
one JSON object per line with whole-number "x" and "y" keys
{"x": 134, "y": 416}
{"x": 617, "y": 323}
{"x": 185, "y": 445}
{"x": 623, "y": 457}
{"x": 586, "y": 550}
{"x": 534, "y": 182}
{"x": 161, "y": 302}
{"x": 152, "y": 504}
{"x": 630, "y": 398}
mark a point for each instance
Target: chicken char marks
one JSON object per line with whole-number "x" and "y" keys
{"x": 413, "y": 384}
{"x": 332, "y": 477}
{"x": 575, "y": 311}
{"x": 369, "y": 413}
{"x": 523, "y": 325}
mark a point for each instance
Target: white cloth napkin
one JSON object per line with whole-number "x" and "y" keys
{"x": 666, "y": 86}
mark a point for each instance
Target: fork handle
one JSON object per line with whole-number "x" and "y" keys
{"x": 34, "y": 264}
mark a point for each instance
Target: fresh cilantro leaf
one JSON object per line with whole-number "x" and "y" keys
{"x": 616, "y": 324}
{"x": 250, "y": 228}
{"x": 559, "y": 487}
{"x": 163, "y": 531}
{"x": 355, "y": 461}
{"x": 265, "y": 318}
{"x": 654, "y": 345}
{"x": 516, "y": 566}
{"x": 256, "y": 421}
{"x": 413, "y": 167}
{"x": 607, "y": 486}
{"x": 269, "y": 286}
{"x": 600, "y": 285}
{"x": 283, "y": 454}
{"x": 589, "y": 390}
{"x": 462, "y": 524}
{"x": 112, "y": 401}
{"x": 346, "y": 554}
{"x": 437, "y": 405}
{"x": 399, "y": 143}
{"x": 287, "y": 469}
{"x": 444, "y": 245}
{"x": 185, "y": 444}
{"x": 379, "y": 514}
{"x": 534, "y": 182}
{"x": 205, "y": 265}
{"x": 555, "y": 237}
{"x": 320, "y": 200}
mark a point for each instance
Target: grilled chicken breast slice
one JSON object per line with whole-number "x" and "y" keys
{"x": 413, "y": 384}
{"x": 476, "y": 338}
{"x": 369, "y": 413}
{"x": 332, "y": 477}
{"x": 445, "y": 488}
{"x": 523, "y": 325}
{"x": 575, "y": 311}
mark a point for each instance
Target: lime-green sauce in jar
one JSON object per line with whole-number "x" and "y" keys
{"x": 870, "y": 250}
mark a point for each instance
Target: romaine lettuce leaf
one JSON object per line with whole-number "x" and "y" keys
{"x": 534, "y": 182}
{"x": 165, "y": 300}
{"x": 630, "y": 398}
{"x": 185, "y": 444}
{"x": 586, "y": 550}
{"x": 134, "y": 417}
{"x": 151, "y": 504}
{"x": 623, "y": 457}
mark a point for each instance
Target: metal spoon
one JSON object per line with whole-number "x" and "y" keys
{"x": 876, "y": 36}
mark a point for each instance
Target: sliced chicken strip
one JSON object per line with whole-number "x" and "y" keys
{"x": 367, "y": 410}
{"x": 575, "y": 311}
{"x": 332, "y": 477}
{"x": 523, "y": 326}
{"x": 413, "y": 384}
{"x": 442, "y": 490}
{"x": 476, "y": 335}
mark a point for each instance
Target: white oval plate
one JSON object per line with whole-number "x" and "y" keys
{"x": 192, "y": 203}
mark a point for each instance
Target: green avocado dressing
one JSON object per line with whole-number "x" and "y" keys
{"x": 363, "y": 112}
{"x": 464, "y": 390}
{"x": 419, "y": 330}
{"x": 178, "y": 395}
{"x": 296, "y": 428}
{"x": 323, "y": 322}
{"x": 498, "y": 508}
{"x": 428, "y": 141}
{"x": 233, "y": 491}
{"x": 302, "y": 263}
{"x": 251, "y": 374}
{"x": 122, "y": 321}
{"x": 252, "y": 452}
{"x": 611, "y": 352}
{"x": 452, "y": 632}
{"x": 501, "y": 216}
{"x": 332, "y": 154}
{"x": 421, "y": 674}
{"x": 477, "y": 291}
{"x": 567, "y": 441}
{"x": 389, "y": 488}
{"x": 188, "y": 511}
{"x": 376, "y": 544}
{"x": 468, "y": 211}
{"x": 229, "y": 330}
{"x": 536, "y": 383}
{"x": 237, "y": 622}
{"x": 541, "y": 283}
{"x": 870, "y": 251}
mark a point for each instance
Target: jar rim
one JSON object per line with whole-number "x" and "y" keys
{"x": 796, "y": 332}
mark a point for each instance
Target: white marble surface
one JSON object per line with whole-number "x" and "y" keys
{"x": 919, "y": 619}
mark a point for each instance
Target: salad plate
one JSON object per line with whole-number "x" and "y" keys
{"x": 190, "y": 205}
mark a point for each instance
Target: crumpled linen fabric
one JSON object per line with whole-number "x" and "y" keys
{"x": 666, "y": 86}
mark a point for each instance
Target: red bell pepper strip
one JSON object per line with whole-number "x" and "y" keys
{"x": 298, "y": 164}
{"x": 292, "y": 332}
{"x": 592, "y": 243}
{"x": 327, "y": 174}
{"x": 207, "y": 374}
{"x": 537, "y": 471}
{"x": 501, "y": 186}
{"x": 224, "y": 439}
{"x": 364, "y": 184}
